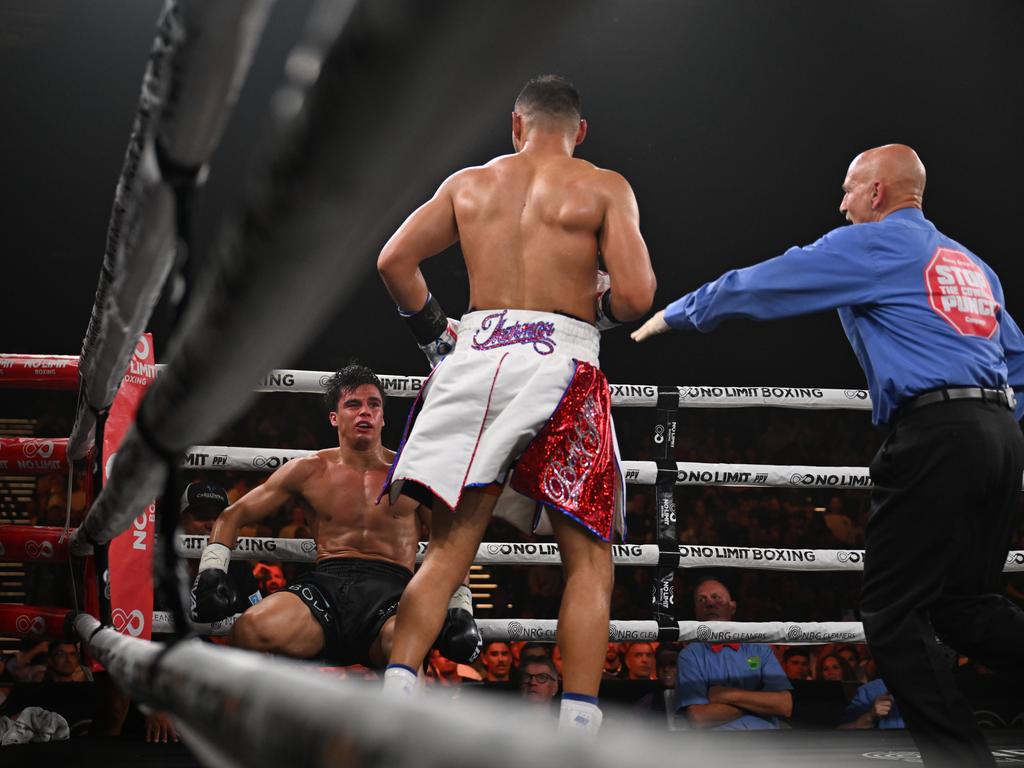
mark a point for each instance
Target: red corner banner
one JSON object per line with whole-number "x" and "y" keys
{"x": 33, "y": 455}
{"x": 130, "y": 554}
{"x": 39, "y": 371}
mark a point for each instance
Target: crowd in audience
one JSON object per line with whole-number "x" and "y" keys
{"x": 707, "y": 516}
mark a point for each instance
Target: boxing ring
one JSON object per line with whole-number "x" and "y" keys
{"x": 318, "y": 196}
{"x": 141, "y": 663}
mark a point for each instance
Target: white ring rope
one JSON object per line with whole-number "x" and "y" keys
{"x": 546, "y": 553}
{"x": 256, "y": 710}
{"x": 223, "y": 457}
{"x": 544, "y": 630}
{"x": 623, "y": 395}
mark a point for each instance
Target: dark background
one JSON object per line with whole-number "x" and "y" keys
{"x": 734, "y": 120}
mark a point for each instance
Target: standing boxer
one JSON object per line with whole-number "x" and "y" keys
{"x": 522, "y": 386}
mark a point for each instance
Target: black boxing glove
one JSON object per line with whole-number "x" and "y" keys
{"x": 435, "y": 334}
{"x": 460, "y": 639}
{"x": 213, "y": 597}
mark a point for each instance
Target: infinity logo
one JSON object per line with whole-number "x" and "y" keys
{"x": 308, "y": 545}
{"x": 844, "y": 556}
{"x": 39, "y": 550}
{"x": 130, "y": 623}
{"x": 30, "y": 625}
{"x": 659, "y": 434}
{"x": 267, "y": 461}
{"x": 324, "y": 381}
{"x": 41, "y": 448}
{"x": 142, "y": 348}
{"x": 855, "y": 394}
{"x": 493, "y": 549}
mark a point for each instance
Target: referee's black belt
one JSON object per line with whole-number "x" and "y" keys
{"x": 946, "y": 394}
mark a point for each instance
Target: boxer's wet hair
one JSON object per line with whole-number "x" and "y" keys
{"x": 348, "y": 378}
{"x": 552, "y": 96}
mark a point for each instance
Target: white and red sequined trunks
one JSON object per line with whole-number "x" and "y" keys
{"x": 522, "y": 393}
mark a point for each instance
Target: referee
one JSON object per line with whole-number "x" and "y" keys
{"x": 927, "y": 321}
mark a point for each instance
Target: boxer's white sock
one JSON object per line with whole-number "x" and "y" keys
{"x": 579, "y": 714}
{"x": 399, "y": 680}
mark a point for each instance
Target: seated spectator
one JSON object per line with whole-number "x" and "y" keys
{"x": 872, "y": 707}
{"x": 796, "y": 662}
{"x": 64, "y": 664}
{"x": 296, "y": 528}
{"x": 270, "y": 577}
{"x": 29, "y": 664}
{"x": 833, "y": 667}
{"x": 496, "y": 659}
{"x": 729, "y": 686}
{"x": 444, "y": 671}
{"x": 850, "y": 656}
{"x": 666, "y": 660}
{"x": 538, "y": 681}
{"x": 860, "y": 661}
{"x": 665, "y": 665}
{"x": 639, "y": 661}
{"x": 532, "y": 652}
{"x": 612, "y": 662}
{"x": 201, "y": 503}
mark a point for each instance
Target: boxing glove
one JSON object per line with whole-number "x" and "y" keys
{"x": 435, "y": 334}
{"x": 460, "y": 638}
{"x": 213, "y": 597}
{"x": 603, "y": 302}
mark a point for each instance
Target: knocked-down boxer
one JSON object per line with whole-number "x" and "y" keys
{"x": 344, "y": 610}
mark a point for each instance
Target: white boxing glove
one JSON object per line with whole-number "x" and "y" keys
{"x": 435, "y": 334}
{"x": 443, "y": 345}
{"x": 603, "y": 302}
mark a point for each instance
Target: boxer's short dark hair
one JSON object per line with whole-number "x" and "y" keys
{"x": 552, "y": 95}
{"x": 348, "y": 378}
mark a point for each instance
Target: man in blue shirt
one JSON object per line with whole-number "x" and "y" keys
{"x": 729, "y": 686}
{"x": 872, "y": 707}
{"x": 927, "y": 321}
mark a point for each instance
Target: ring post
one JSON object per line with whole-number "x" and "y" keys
{"x": 666, "y": 415}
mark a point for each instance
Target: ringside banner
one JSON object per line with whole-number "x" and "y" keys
{"x": 130, "y": 579}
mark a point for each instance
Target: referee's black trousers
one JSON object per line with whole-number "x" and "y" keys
{"x": 945, "y": 504}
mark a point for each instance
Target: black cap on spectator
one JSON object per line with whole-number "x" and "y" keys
{"x": 204, "y": 500}
{"x": 666, "y": 654}
{"x": 796, "y": 650}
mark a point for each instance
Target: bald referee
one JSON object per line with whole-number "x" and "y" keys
{"x": 927, "y": 320}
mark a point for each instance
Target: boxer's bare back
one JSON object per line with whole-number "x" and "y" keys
{"x": 532, "y": 226}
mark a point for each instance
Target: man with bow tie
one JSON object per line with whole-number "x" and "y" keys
{"x": 729, "y": 685}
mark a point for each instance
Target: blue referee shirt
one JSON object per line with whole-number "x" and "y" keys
{"x": 753, "y": 667}
{"x": 920, "y": 310}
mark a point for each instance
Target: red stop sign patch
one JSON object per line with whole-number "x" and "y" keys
{"x": 959, "y": 291}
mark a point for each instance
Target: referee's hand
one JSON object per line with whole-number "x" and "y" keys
{"x": 655, "y": 325}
